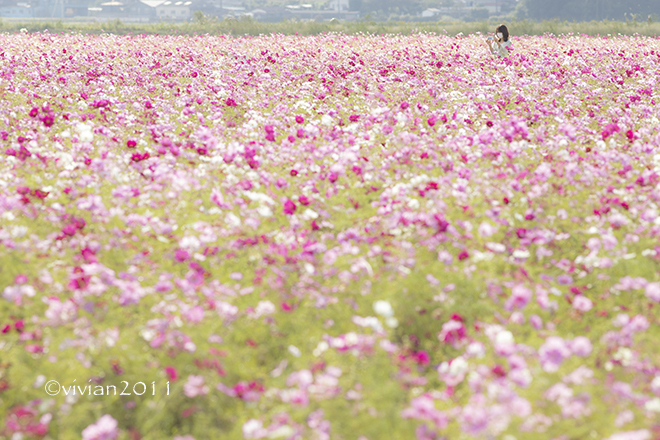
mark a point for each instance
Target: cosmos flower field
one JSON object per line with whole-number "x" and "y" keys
{"x": 331, "y": 237}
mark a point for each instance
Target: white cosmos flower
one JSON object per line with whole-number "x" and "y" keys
{"x": 519, "y": 253}
{"x": 264, "y": 211}
{"x": 458, "y": 366}
{"x": 232, "y": 220}
{"x": 392, "y": 322}
{"x": 653, "y": 405}
{"x": 498, "y": 248}
{"x": 309, "y": 214}
{"x": 383, "y": 308}
{"x": 504, "y": 337}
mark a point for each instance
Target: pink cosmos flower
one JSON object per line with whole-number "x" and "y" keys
{"x": 453, "y": 332}
{"x": 536, "y": 321}
{"x": 623, "y": 418}
{"x": 250, "y": 392}
{"x": 422, "y": 357}
{"x": 295, "y": 396}
{"x": 423, "y": 408}
{"x": 301, "y": 378}
{"x": 171, "y": 373}
{"x": 60, "y": 312}
{"x": 195, "y": 386}
{"x": 582, "y": 303}
{"x": 289, "y": 207}
{"x": 423, "y": 432}
{"x": 580, "y": 376}
{"x": 581, "y": 346}
{"x": 281, "y": 183}
{"x": 474, "y": 419}
{"x": 181, "y": 255}
{"x": 486, "y": 229}
{"x": 195, "y": 314}
{"x": 105, "y": 428}
{"x": 552, "y": 353}
{"x": 652, "y": 291}
{"x": 520, "y": 296}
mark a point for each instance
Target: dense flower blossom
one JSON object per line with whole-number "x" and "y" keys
{"x": 294, "y": 231}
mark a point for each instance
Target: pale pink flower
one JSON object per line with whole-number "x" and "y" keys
{"x": 652, "y": 291}
{"x": 195, "y": 386}
{"x": 104, "y": 428}
{"x": 520, "y": 296}
{"x": 552, "y": 353}
{"x": 423, "y": 408}
{"x": 581, "y": 346}
{"x": 582, "y": 303}
{"x": 254, "y": 429}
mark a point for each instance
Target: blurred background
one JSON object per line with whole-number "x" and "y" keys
{"x": 150, "y": 11}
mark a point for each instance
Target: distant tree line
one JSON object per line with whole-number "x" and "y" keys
{"x": 587, "y": 10}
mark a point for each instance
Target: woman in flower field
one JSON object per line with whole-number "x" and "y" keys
{"x": 329, "y": 238}
{"x": 499, "y": 44}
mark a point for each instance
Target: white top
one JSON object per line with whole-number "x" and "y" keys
{"x": 503, "y": 49}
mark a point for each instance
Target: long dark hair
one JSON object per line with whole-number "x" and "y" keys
{"x": 504, "y": 30}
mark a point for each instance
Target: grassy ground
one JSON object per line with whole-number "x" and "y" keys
{"x": 251, "y": 27}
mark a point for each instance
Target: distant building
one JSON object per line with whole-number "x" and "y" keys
{"x": 144, "y": 10}
{"x": 339, "y": 5}
{"x": 212, "y": 8}
{"x": 272, "y": 13}
{"x": 430, "y": 12}
{"x": 59, "y": 8}
{"x": 16, "y": 10}
{"x": 232, "y": 11}
{"x": 174, "y": 10}
{"x": 304, "y": 12}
